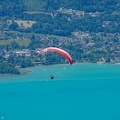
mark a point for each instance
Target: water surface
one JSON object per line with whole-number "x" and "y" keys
{"x": 77, "y": 92}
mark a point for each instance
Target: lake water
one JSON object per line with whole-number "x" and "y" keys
{"x": 77, "y": 92}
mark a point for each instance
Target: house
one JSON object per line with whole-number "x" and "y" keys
{"x": 24, "y": 52}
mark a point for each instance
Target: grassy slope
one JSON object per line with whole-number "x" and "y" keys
{"x": 40, "y": 5}
{"x": 35, "y": 5}
{"x": 86, "y": 5}
{"x": 20, "y": 42}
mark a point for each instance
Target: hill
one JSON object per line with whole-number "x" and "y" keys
{"x": 88, "y": 29}
{"x": 14, "y": 6}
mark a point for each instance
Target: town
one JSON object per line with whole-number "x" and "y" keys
{"x": 88, "y": 36}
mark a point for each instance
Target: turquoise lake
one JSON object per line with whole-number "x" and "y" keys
{"x": 77, "y": 92}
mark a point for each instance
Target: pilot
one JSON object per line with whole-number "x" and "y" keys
{"x": 51, "y": 77}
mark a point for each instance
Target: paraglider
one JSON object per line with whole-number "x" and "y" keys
{"x": 51, "y": 77}
{"x": 57, "y": 50}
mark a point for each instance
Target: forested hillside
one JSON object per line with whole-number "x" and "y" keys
{"x": 8, "y": 7}
{"x": 88, "y": 29}
{"x": 58, "y": 17}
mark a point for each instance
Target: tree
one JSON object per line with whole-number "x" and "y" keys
{"x": 14, "y": 26}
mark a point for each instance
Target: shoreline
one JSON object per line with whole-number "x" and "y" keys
{"x": 24, "y": 71}
{"x": 65, "y": 72}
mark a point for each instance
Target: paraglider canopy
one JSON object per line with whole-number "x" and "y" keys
{"x": 57, "y": 50}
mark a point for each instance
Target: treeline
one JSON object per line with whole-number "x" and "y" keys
{"x": 12, "y": 64}
{"x": 11, "y": 8}
{"x": 8, "y": 68}
{"x": 16, "y": 8}
{"x": 85, "y": 5}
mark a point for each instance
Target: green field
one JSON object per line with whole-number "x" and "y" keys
{"x": 25, "y": 23}
{"x": 35, "y": 5}
{"x": 25, "y": 42}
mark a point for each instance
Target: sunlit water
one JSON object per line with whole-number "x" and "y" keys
{"x": 77, "y": 92}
